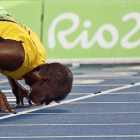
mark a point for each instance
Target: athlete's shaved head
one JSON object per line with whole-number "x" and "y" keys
{"x": 52, "y": 82}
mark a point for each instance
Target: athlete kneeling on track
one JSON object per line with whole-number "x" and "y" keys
{"x": 22, "y": 56}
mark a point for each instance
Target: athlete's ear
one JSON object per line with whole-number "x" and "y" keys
{"x": 46, "y": 79}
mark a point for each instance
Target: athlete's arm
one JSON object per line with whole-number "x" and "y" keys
{"x": 11, "y": 55}
{"x": 19, "y": 91}
{"x": 11, "y": 58}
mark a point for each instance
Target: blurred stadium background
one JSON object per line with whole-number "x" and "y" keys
{"x": 83, "y": 31}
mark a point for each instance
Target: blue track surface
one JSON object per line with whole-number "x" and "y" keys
{"x": 109, "y": 115}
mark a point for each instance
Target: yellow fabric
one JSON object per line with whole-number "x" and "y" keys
{"x": 35, "y": 54}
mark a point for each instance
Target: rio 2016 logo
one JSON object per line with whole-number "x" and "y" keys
{"x": 98, "y": 37}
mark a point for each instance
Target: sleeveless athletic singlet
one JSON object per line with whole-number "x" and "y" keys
{"x": 35, "y": 53}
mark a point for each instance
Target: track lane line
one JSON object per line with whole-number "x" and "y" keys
{"x": 81, "y": 136}
{"x": 69, "y": 101}
{"x": 65, "y": 124}
{"x": 3, "y": 81}
{"x": 79, "y": 113}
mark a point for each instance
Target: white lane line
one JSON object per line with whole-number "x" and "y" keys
{"x": 104, "y": 124}
{"x": 105, "y": 102}
{"x": 3, "y": 81}
{"x": 10, "y": 97}
{"x": 137, "y": 68}
{"x": 81, "y": 136}
{"x": 74, "y": 94}
{"x": 11, "y": 100}
{"x": 87, "y": 81}
{"x": 125, "y": 93}
{"x": 134, "y": 68}
{"x": 102, "y": 85}
{"x": 6, "y": 91}
{"x": 86, "y": 71}
{"x": 78, "y": 113}
{"x": 90, "y": 102}
{"x": 69, "y": 101}
{"x": 10, "y": 86}
{"x": 113, "y": 77}
{"x": 112, "y": 73}
{"x": 113, "y": 93}
{"x": 81, "y": 83}
{"x": 5, "y": 87}
{"x": 107, "y": 70}
{"x": 107, "y": 75}
{"x": 85, "y": 113}
{"x": 79, "y": 93}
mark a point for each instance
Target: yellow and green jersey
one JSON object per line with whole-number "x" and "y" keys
{"x": 35, "y": 53}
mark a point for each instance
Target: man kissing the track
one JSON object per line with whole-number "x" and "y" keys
{"x": 22, "y": 56}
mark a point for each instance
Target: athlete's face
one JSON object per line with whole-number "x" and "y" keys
{"x": 41, "y": 90}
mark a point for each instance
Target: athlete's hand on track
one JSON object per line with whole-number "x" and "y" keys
{"x": 20, "y": 92}
{"x": 4, "y": 105}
